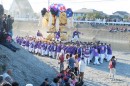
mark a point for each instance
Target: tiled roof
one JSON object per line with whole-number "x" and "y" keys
{"x": 84, "y": 10}
{"x": 121, "y": 12}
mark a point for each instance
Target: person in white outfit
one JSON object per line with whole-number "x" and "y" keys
{"x": 87, "y": 55}
{"x": 7, "y": 76}
{"x": 82, "y": 66}
{"x": 29, "y": 84}
{"x": 102, "y": 53}
{"x": 96, "y": 55}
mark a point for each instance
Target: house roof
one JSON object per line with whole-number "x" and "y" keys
{"x": 85, "y": 10}
{"x": 115, "y": 17}
{"x": 121, "y": 12}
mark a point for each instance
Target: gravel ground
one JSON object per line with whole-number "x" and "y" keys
{"x": 26, "y": 67}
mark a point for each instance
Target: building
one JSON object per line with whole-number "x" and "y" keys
{"x": 81, "y": 13}
{"x": 21, "y": 9}
{"x": 122, "y": 14}
{"x": 115, "y": 18}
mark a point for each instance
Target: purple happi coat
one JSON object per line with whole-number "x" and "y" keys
{"x": 36, "y": 45}
{"x": 102, "y": 49}
{"x": 96, "y": 53}
{"x": 39, "y": 45}
{"x": 74, "y": 50}
{"x": 109, "y": 50}
{"x": 58, "y": 35}
{"x": 27, "y": 43}
{"x": 58, "y": 48}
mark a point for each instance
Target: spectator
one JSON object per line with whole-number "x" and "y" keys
{"x": 61, "y": 59}
{"x": 71, "y": 62}
{"x": 55, "y": 82}
{"x": 7, "y": 76}
{"x": 6, "y": 84}
{"x": 5, "y": 40}
{"x": 66, "y": 80}
{"x": 73, "y": 80}
{"x": 82, "y": 66}
{"x": 15, "y": 84}
{"x": 1, "y": 14}
{"x": 76, "y": 65}
{"x": 1, "y": 79}
{"x": 29, "y": 85}
{"x": 9, "y": 25}
{"x": 45, "y": 83}
{"x": 112, "y": 66}
{"x": 4, "y": 22}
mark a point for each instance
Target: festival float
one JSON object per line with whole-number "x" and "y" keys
{"x": 55, "y": 18}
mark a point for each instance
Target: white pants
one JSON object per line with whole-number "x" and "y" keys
{"x": 30, "y": 49}
{"x": 57, "y": 55}
{"x": 58, "y": 39}
{"x": 50, "y": 53}
{"x": 33, "y": 50}
{"x": 23, "y": 46}
{"x": 112, "y": 73}
{"x": 36, "y": 50}
{"x": 43, "y": 52}
{"x": 96, "y": 60}
{"x": 62, "y": 51}
{"x": 26, "y": 48}
{"x": 53, "y": 54}
{"x": 46, "y": 52}
{"x": 102, "y": 56}
{"x": 87, "y": 60}
{"x": 91, "y": 56}
{"x": 106, "y": 54}
{"x": 76, "y": 38}
{"x": 39, "y": 51}
{"x": 109, "y": 57}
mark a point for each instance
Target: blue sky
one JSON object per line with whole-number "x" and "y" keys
{"x": 107, "y": 6}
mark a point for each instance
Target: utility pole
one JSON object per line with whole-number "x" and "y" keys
{"x": 48, "y": 3}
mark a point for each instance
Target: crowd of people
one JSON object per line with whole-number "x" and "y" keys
{"x": 7, "y": 21}
{"x": 76, "y": 54}
{"x": 118, "y": 29}
{"x": 6, "y": 32}
{"x": 53, "y": 49}
{"x": 7, "y": 80}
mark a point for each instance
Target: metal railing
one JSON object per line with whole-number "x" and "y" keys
{"x": 102, "y": 22}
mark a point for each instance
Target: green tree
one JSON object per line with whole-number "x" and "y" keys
{"x": 126, "y": 18}
{"x": 95, "y": 15}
